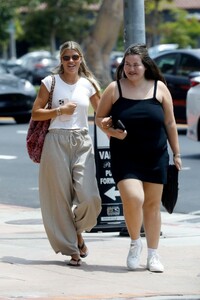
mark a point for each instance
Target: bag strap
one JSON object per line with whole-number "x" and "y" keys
{"x": 51, "y": 92}
{"x": 155, "y": 89}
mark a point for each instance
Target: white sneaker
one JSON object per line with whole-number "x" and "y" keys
{"x": 154, "y": 264}
{"x": 133, "y": 259}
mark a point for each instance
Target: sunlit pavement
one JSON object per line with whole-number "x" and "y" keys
{"x": 29, "y": 269}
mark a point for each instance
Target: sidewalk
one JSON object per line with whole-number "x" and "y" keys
{"x": 29, "y": 269}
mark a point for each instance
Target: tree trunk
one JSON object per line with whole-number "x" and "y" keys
{"x": 102, "y": 39}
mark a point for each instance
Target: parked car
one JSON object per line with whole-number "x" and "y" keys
{"x": 33, "y": 66}
{"x": 115, "y": 59}
{"x": 155, "y": 50}
{"x": 178, "y": 67}
{"x": 193, "y": 110}
{"x": 16, "y": 97}
{"x": 12, "y": 63}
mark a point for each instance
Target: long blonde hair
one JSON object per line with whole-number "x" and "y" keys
{"x": 83, "y": 71}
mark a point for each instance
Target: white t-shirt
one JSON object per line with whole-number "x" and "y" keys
{"x": 79, "y": 93}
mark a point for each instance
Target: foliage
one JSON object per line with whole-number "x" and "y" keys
{"x": 53, "y": 21}
{"x": 151, "y": 5}
{"x": 48, "y": 23}
{"x": 182, "y": 30}
{"x": 6, "y": 14}
{"x": 64, "y": 19}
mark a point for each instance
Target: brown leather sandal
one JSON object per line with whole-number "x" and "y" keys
{"x": 75, "y": 262}
{"x": 83, "y": 250}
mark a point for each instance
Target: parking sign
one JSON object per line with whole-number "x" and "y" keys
{"x": 111, "y": 217}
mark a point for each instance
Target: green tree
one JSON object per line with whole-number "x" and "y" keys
{"x": 58, "y": 20}
{"x": 42, "y": 23}
{"x": 182, "y": 30}
{"x": 154, "y": 17}
{"x": 6, "y": 14}
{"x": 9, "y": 21}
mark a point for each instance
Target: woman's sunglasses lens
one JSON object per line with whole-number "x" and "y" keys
{"x": 74, "y": 57}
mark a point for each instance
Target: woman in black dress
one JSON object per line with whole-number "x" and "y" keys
{"x": 140, "y": 99}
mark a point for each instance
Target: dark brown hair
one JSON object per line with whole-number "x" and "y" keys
{"x": 151, "y": 72}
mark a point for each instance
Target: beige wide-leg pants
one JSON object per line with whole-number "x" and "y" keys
{"x": 67, "y": 178}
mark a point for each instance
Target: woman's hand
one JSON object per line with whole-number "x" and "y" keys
{"x": 177, "y": 161}
{"x": 120, "y": 134}
{"x": 106, "y": 122}
{"x": 68, "y": 108}
{"x": 107, "y": 126}
{"x": 116, "y": 133}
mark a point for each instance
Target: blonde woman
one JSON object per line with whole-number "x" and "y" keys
{"x": 69, "y": 196}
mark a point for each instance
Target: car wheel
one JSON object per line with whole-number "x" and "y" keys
{"x": 22, "y": 119}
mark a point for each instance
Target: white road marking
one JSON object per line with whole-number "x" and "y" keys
{"x": 22, "y": 131}
{"x": 7, "y": 157}
{"x": 34, "y": 189}
{"x": 185, "y": 168}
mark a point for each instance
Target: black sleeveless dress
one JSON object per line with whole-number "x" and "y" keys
{"x": 143, "y": 154}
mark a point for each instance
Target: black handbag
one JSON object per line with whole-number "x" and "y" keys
{"x": 170, "y": 189}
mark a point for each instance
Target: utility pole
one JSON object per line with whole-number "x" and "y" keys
{"x": 134, "y": 32}
{"x": 11, "y": 31}
{"x": 134, "y": 22}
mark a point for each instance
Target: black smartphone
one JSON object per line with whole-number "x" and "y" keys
{"x": 120, "y": 125}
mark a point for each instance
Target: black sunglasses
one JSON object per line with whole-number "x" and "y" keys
{"x": 74, "y": 57}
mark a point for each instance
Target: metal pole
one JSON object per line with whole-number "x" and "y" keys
{"x": 12, "y": 40}
{"x": 134, "y": 22}
{"x": 134, "y": 32}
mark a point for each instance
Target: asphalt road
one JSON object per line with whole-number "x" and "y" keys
{"x": 19, "y": 175}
